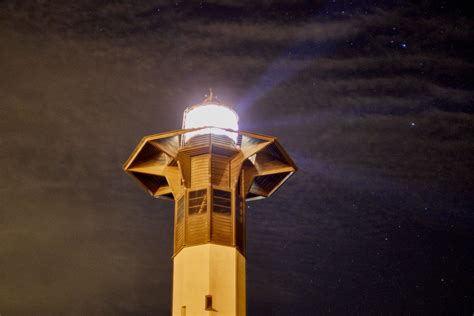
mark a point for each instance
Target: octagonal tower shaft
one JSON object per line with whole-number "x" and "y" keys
{"x": 211, "y": 203}
{"x": 210, "y": 177}
{"x": 209, "y": 243}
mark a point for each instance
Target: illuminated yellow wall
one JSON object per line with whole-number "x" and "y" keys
{"x": 209, "y": 269}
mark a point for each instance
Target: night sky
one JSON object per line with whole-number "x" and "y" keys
{"x": 372, "y": 99}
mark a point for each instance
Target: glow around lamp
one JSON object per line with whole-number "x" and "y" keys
{"x": 218, "y": 117}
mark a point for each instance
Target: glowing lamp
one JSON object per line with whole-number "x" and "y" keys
{"x": 212, "y": 118}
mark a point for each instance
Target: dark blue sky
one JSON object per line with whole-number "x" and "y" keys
{"x": 372, "y": 99}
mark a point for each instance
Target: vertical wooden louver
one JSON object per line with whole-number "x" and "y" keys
{"x": 221, "y": 217}
{"x": 220, "y": 170}
{"x": 179, "y": 226}
{"x": 200, "y": 170}
{"x": 197, "y": 223}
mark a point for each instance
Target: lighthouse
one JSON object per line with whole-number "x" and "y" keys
{"x": 211, "y": 170}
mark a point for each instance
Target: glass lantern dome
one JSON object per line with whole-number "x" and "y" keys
{"x": 213, "y": 117}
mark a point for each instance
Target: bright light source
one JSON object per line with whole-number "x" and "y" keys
{"x": 211, "y": 115}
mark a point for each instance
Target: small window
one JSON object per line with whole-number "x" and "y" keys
{"x": 183, "y": 310}
{"x": 208, "y": 303}
{"x": 222, "y": 202}
{"x": 197, "y": 202}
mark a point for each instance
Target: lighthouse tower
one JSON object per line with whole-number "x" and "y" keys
{"x": 210, "y": 170}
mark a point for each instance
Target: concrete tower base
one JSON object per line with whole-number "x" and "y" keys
{"x": 209, "y": 279}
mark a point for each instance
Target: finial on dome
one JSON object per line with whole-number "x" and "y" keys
{"x": 210, "y": 97}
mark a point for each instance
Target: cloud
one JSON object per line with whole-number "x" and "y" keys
{"x": 380, "y": 132}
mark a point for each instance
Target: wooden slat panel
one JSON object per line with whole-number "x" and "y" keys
{"x": 222, "y": 229}
{"x": 194, "y": 151}
{"x": 179, "y": 236}
{"x": 223, "y": 145}
{"x": 222, "y": 217}
{"x": 197, "y": 145}
{"x": 220, "y": 170}
{"x": 235, "y": 167}
{"x": 179, "y": 229}
{"x": 197, "y": 222}
{"x": 224, "y": 150}
{"x": 197, "y": 228}
{"x": 200, "y": 170}
{"x": 197, "y": 141}
{"x": 222, "y": 140}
